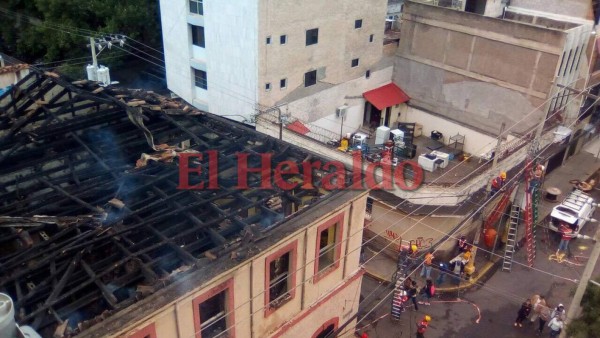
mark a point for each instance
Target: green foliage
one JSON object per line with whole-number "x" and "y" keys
{"x": 588, "y": 324}
{"x": 50, "y": 30}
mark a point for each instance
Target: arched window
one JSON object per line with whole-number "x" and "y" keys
{"x": 327, "y": 329}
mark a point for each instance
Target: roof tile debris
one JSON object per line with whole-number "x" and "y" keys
{"x": 91, "y": 217}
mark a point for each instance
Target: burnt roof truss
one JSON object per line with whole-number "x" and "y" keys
{"x": 85, "y": 230}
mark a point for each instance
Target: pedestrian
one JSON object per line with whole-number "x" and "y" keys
{"x": 536, "y": 177}
{"x": 537, "y": 302}
{"x": 523, "y": 313}
{"x": 428, "y": 291}
{"x": 566, "y": 236}
{"x": 426, "y": 271}
{"x": 545, "y": 315}
{"x": 556, "y": 325}
{"x": 498, "y": 183}
{"x": 412, "y": 293}
{"x": 462, "y": 244}
{"x": 422, "y": 326}
{"x": 559, "y": 311}
{"x": 443, "y": 271}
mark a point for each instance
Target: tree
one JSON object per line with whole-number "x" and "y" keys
{"x": 588, "y": 324}
{"x": 50, "y": 30}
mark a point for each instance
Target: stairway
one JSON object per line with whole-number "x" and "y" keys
{"x": 511, "y": 242}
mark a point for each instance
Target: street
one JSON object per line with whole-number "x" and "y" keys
{"x": 490, "y": 307}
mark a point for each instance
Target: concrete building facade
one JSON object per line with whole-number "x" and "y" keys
{"x": 240, "y": 58}
{"x": 482, "y": 71}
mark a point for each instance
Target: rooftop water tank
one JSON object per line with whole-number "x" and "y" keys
{"x": 8, "y": 329}
{"x": 92, "y": 72}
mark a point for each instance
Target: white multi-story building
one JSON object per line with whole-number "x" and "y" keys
{"x": 230, "y": 58}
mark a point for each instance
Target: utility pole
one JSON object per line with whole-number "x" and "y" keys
{"x": 574, "y": 308}
{"x": 496, "y": 155}
{"x": 94, "y": 56}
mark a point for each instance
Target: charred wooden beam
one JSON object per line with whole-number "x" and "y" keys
{"x": 37, "y": 314}
{"x": 106, "y": 293}
{"x": 74, "y": 198}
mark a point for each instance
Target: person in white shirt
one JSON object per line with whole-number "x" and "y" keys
{"x": 556, "y": 325}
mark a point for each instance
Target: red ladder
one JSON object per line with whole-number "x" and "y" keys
{"x": 529, "y": 238}
{"x": 499, "y": 209}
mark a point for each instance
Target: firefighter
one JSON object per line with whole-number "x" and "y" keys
{"x": 498, "y": 183}
{"x": 536, "y": 177}
{"x": 422, "y": 326}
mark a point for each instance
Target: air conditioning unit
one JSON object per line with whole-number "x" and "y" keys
{"x": 341, "y": 111}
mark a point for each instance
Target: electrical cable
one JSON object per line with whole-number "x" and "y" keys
{"x": 305, "y": 265}
{"x": 138, "y": 56}
{"x": 478, "y": 248}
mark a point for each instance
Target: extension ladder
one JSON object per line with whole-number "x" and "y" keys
{"x": 511, "y": 241}
{"x": 529, "y": 231}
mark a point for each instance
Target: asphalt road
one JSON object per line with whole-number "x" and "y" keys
{"x": 489, "y": 309}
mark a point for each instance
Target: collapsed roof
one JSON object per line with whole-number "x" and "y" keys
{"x": 91, "y": 217}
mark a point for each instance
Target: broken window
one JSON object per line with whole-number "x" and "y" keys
{"x": 327, "y": 247}
{"x": 279, "y": 273}
{"x": 213, "y": 316}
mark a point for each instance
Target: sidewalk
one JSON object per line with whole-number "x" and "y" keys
{"x": 580, "y": 166}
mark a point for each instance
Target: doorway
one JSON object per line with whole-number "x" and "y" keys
{"x": 372, "y": 117}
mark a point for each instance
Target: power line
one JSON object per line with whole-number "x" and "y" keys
{"x": 159, "y": 66}
{"x": 416, "y": 268}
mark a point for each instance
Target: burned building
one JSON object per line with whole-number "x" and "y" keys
{"x": 101, "y": 235}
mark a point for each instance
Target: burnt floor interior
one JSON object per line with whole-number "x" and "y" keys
{"x": 84, "y": 232}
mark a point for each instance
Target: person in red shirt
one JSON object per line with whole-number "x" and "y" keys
{"x": 422, "y": 326}
{"x": 566, "y": 235}
{"x": 498, "y": 183}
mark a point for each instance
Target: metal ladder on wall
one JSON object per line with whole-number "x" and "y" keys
{"x": 511, "y": 241}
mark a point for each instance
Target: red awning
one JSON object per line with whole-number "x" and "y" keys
{"x": 386, "y": 96}
{"x": 298, "y": 127}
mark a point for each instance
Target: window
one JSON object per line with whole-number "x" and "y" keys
{"x": 312, "y": 36}
{"x": 268, "y": 86}
{"x": 371, "y": 37}
{"x": 198, "y": 36}
{"x": 327, "y": 328}
{"x": 368, "y": 74}
{"x": 200, "y": 79}
{"x": 357, "y": 23}
{"x": 280, "y": 279}
{"x": 329, "y": 248}
{"x": 310, "y": 78}
{"x": 268, "y": 40}
{"x": 354, "y": 63}
{"x": 283, "y": 39}
{"x": 283, "y": 83}
{"x": 149, "y": 331}
{"x": 196, "y": 7}
{"x": 213, "y": 312}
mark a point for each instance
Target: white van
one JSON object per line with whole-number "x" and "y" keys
{"x": 576, "y": 209}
